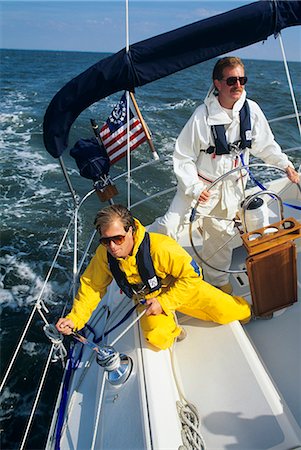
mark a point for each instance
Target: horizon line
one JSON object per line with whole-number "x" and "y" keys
{"x": 112, "y": 53}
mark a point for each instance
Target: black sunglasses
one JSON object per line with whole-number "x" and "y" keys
{"x": 118, "y": 240}
{"x": 231, "y": 81}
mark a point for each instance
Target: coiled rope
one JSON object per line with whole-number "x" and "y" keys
{"x": 191, "y": 437}
{"x": 188, "y": 414}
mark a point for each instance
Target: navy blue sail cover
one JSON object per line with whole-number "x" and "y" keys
{"x": 91, "y": 158}
{"x": 162, "y": 55}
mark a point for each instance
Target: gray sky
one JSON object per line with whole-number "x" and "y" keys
{"x": 99, "y": 26}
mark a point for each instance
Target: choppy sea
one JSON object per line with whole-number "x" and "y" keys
{"x": 36, "y": 205}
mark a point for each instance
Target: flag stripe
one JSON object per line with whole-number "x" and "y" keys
{"x": 114, "y": 131}
{"x": 123, "y": 142}
{"x": 115, "y": 158}
{"x": 112, "y": 142}
{"x": 106, "y": 134}
{"x": 122, "y": 150}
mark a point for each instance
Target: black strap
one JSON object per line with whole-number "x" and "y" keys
{"x": 221, "y": 146}
{"x": 245, "y": 126}
{"x": 145, "y": 268}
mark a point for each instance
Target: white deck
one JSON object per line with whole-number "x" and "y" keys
{"x": 244, "y": 381}
{"x": 237, "y": 401}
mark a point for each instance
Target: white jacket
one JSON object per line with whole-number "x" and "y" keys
{"x": 195, "y": 169}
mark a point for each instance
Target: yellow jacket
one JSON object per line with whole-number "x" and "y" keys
{"x": 180, "y": 276}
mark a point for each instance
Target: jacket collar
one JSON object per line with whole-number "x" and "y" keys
{"x": 216, "y": 114}
{"x": 138, "y": 236}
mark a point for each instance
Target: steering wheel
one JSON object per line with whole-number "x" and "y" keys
{"x": 218, "y": 180}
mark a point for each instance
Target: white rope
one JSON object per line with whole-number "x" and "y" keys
{"x": 17, "y": 348}
{"x": 54, "y": 260}
{"x": 191, "y": 437}
{"x": 39, "y": 309}
{"x": 36, "y": 399}
{"x": 15, "y": 354}
{"x": 188, "y": 414}
{"x": 127, "y": 328}
{"x": 290, "y": 82}
{"x": 93, "y": 354}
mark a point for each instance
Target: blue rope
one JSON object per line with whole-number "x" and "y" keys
{"x": 71, "y": 365}
{"x": 63, "y": 403}
{"x": 262, "y": 187}
{"x": 124, "y": 318}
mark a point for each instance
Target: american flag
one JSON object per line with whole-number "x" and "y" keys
{"x": 114, "y": 131}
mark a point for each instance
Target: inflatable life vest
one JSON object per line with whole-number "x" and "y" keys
{"x": 221, "y": 147}
{"x": 145, "y": 268}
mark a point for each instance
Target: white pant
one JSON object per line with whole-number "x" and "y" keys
{"x": 216, "y": 232}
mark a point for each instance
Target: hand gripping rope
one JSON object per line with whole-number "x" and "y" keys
{"x": 117, "y": 366}
{"x": 56, "y": 338}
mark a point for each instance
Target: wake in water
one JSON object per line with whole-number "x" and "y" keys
{"x": 37, "y": 207}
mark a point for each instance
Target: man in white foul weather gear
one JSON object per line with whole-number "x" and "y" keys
{"x": 204, "y": 151}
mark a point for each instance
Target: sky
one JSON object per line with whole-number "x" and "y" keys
{"x": 99, "y": 26}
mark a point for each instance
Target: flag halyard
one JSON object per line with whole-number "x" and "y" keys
{"x": 114, "y": 131}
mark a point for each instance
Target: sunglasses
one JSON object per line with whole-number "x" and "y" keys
{"x": 231, "y": 81}
{"x": 118, "y": 240}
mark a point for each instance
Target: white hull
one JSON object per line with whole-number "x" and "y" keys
{"x": 244, "y": 381}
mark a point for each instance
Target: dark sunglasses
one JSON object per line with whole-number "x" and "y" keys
{"x": 118, "y": 240}
{"x": 231, "y": 81}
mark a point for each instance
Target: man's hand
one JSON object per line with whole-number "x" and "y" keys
{"x": 204, "y": 197}
{"x": 154, "y": 307}
{"x": 65, "y": 326}
{"x": 292, "y": 175}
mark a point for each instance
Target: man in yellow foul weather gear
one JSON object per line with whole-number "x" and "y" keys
{"x": 172, "y": 278}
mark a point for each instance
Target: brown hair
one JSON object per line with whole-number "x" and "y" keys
{"x": 228, "y": 61}
{"x": 109, "y": 214}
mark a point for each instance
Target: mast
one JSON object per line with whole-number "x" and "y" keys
{"x": 127, "y": 47}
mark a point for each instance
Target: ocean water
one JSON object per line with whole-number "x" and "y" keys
{"x": 36, "y": 205}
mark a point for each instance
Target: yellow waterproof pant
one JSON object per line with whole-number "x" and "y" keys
{"x": 211, "y": 304}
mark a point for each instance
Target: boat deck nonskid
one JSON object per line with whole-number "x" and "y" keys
{"x": 243, "y": 381}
